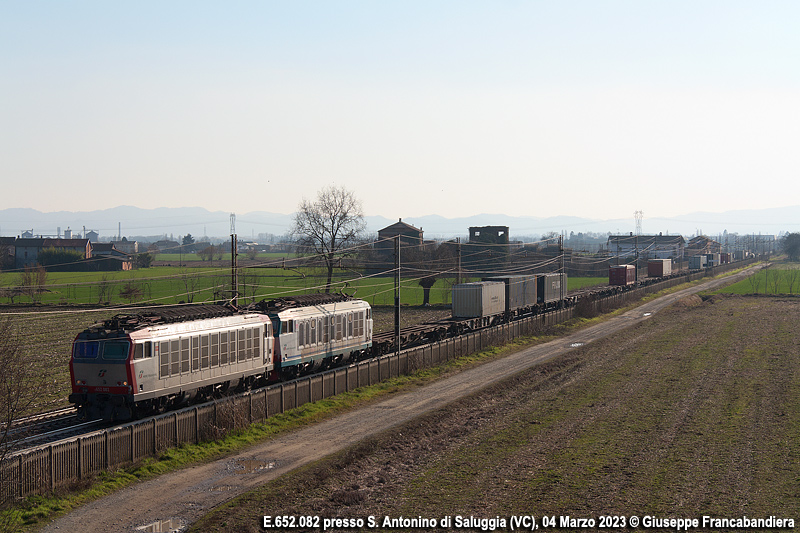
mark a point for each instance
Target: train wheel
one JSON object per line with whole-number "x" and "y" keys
{"x": 221, "y": 388}
{"x": 288, "y": 373}
{"x": 159, "y": 406}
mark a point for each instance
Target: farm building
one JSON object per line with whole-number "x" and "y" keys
{"x": 409, "y": 236}
{"x": 26, "y": 251}
{"x": 702, "y": 245}
{"x": 647, "y": 246}
{"x": 105, "y": 256}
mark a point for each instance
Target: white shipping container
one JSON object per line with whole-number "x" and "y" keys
{"x": 696, "y": 262}
{"x": 482, "y": 298}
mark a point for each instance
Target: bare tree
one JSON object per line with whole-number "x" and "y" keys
{"x": 330, "y": 226}
{"x": 105, "y": 289}
{"x": 131, "y": 291}
{"x": 248, "y": 283}
{"x": 792, "y": 277}
{"x": 33, "y": 281}
{"x": 777, "y": 274}
{"x": 220, "y": 287}
{"x": 190, "y": 283}
{"x": 207, "y": 253}
{"x": 755, "y": 282}
{"x": 21, "y": 382}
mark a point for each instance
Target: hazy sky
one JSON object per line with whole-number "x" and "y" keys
{"x": 588, "y": 108}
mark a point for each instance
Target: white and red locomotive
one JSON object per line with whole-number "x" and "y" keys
{"x": 139, "y": 364}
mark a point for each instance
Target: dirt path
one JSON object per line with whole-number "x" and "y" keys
{"x": 186, "y": 495}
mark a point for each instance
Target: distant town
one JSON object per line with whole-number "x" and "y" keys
{"x": 91, "y": 251}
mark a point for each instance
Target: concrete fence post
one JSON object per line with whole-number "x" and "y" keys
{"x": 52, "y": 468}
{"x": 107, "y": 451}
{"x": 20, "y": 477}
{"x": 80, "y": 459}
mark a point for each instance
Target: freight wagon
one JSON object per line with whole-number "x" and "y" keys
{"x": 551, "y": 288}
{"x": 712, "y": 260}
{"x": 622, "y": 275}
{"x": 658, "y": 268}
{"x": 479, "y": 299}
{"x": 520, "y": 291}
{"x": 512, "y": 295}
{"x": 697, "y": 262}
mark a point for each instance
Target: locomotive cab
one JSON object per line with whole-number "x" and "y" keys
{"x": 102, "y": 384}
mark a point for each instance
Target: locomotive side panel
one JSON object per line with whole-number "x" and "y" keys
{"x": 211, "y": 356}
{"x": 166, "y": 364}
{"x": 325, "y": 332}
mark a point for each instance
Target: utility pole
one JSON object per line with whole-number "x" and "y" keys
{"x": 458, "y": 250}
{"x": 397, "y": 294}
{"x": 638, "y": 216}
{"x": 234, "y": 265}
{"x": 563, "y": 270}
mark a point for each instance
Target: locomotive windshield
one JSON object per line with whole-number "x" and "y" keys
{"x": 110, "y": 350}
{"x": 86, "y": 350}
{"x": 115, "y": 349}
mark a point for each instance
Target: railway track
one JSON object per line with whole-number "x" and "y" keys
{"x": 43, "y": 428}
{"x": 71, "y": 428}
{"x": 37, "y": 418}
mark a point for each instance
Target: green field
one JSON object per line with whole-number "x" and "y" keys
{"x": 195, "y": 258}
{"x": 781, "y": 278}
{"x": 173, "y": 284}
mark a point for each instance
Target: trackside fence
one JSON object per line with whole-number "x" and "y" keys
{"x": 70, "y": 462}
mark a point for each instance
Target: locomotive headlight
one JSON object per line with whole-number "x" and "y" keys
{"x": 80, "y": 382}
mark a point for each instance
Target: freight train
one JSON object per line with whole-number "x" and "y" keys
{"x": 134, "y": 365}
{"x": 510, "y": 296}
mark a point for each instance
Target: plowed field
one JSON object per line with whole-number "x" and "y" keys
{"x": 693, "y": 412}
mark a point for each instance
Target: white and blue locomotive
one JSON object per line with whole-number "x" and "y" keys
{"x": 134, "y": 365}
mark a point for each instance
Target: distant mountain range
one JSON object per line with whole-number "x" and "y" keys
{"x": 172, "y": 222}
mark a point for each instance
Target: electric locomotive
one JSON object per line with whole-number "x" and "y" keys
{"x": 133, "y": 365}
